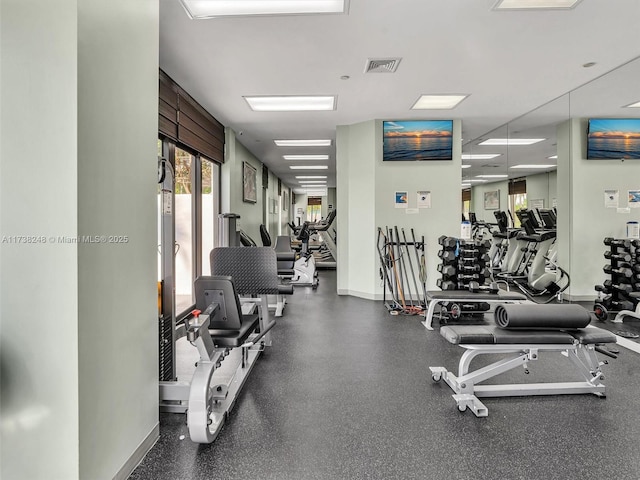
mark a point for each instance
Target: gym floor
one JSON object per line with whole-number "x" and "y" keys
{"x": 345, "y": 393}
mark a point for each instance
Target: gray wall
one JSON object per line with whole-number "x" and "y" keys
{"x": 251, "y": 214}
{"x": 477, "y": 199}
{"x": 78, "y": 128}
{"x": 363, "y": 209}
{"x": 38, "y": 154}
{"x": 231, "y": 173}
{"x": 117, "y": 195}
{"x": 542, "y": 187}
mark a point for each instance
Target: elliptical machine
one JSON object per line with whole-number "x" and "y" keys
{"x": 305, "y": 266}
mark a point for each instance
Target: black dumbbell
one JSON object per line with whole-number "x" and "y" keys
{"x": 625, "y": 272}
{"x": 475, "y": 287}
{"x": 621, "y": 287}
{"x": 617, "y": 242}
{"x": 620, "y": 256}
{"x": 447, "y": 255}
{"x": 448, "y": 242}
{"x": 447, "y": 270}
{"x": 618, "y": 305}
{"x": 445, "y": 284}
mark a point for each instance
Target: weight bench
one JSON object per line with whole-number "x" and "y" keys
{"x": 436, "y": 297}
{"x": 520, "y": 346}
{"x": 228, "y": 341}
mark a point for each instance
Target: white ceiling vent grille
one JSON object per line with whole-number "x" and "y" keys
{"x": 382, "y": 65}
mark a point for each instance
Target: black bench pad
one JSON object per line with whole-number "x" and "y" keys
{"x": 589, "y": 336}
{"x": 490, "y": 335}
{"x": 473, "y": 297}
{"x": 235, "y": 338}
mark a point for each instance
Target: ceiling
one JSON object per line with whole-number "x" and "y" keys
{"x": 514, "y": 65}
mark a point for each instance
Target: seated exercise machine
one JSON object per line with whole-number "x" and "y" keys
{"x": 523, "y": 333}
{"x": 229, "y": 337}
{"x": 286, "y": 258}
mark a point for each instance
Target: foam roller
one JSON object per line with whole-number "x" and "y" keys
{"x": 527, "y": 316}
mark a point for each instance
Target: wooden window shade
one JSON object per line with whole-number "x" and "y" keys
{"x": 314, "y": 201}
{"x": 466, "y": 195}
{"x": 184, "y": 120}
{"x": 517, "y": 186}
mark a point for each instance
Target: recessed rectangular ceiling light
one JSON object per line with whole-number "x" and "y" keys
{"x": 466, "y": 166}
{"x": 535, "y": 4}
{"x": 533, "y": 167}
{"x": 553, "y": 157}
{"x": 477, "y": 181}
{"x": 312, "y": 182}
{"x": 306, "y": 157}
{"x": 309, "y": 167}
{"x": 438, "y": 102}
{"x": 479, "y": 156}
{"x": 291, "y": 103}
{"x": 301, "y": 177}
{"x": 633, "y": 105}
{"x": 492, "y": 176}
{"x": 511, "y": 141}
{"x": 303, "y": 143}
{"x": 466, "y": 185}
{"x": 201, "y": 9}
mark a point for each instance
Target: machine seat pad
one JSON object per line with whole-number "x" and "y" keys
{"x": 235, "y": 338}
{"x": 476, "y": 334}
{"x": 589, "y": 336}
{"x": 483, "y": 335}
{"x": 475, "y": 297}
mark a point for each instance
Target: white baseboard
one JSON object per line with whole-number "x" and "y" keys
{"x": 365, "y": 295}
{"x": 140, "y": 452}
{"x": 580, "y": 298}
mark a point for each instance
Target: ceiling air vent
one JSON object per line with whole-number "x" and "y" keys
{"x": 382, "y": 65}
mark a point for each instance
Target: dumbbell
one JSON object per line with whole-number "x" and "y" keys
{"x": 617, "y": 305}
{"x": 447, "y": 270}
{"x": 475, "y": 267}
{"x": 480, "y": 259}
{"x": 622, "y": 287}
{"x": 617, "y": 242}
{"x": 625, "y": 272}
{"x": 469, "y": 277}
{"x": 445, "y": 284}
{"x": 447, "y": 255}
{"x": 621, "y": 257}
{"x": 447, "y": 242}
{"x": 475, "y": 287}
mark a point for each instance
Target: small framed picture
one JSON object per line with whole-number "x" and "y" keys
{"x": 249, "y": 188}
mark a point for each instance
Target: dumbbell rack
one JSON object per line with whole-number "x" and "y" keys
{"x": 464, "y": 265}
{"x": 624, "y": 271}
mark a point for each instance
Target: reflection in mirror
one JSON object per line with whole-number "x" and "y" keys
{"x": 533, "y": 158}
{"x": 584, "y": 181}
{"x": 486, "y": 174}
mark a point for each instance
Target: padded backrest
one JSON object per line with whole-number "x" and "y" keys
{"x": 254, "y": 270}
{"x": 264, "y": 235}
{"x": 220, "y": 290}
{"x": 283, "y": 244}
{"x": 245, "y": 239}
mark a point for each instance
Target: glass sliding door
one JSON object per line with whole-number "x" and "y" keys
{"x": 210, "y": 174}
{"x": 184, "y": 227}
